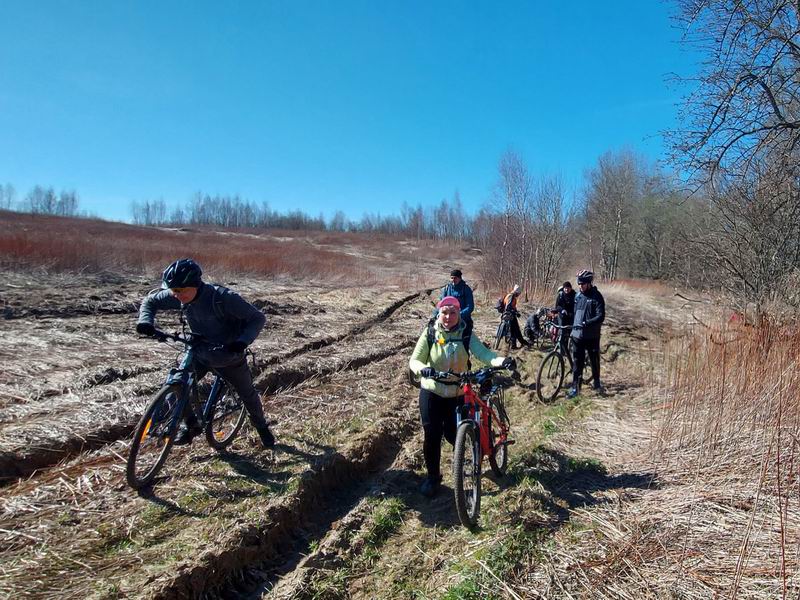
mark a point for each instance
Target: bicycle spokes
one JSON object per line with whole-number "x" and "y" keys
{"x": 153, "y": 438}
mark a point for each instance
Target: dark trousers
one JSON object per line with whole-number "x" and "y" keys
{"x": 564, "y": 334}
{"x": 516, "y": 334}
{"x": 580, "y": 349}
{"x": 532, "y": 332}
{"x": 232, "y": 366}
{"x": 438, "y": 416}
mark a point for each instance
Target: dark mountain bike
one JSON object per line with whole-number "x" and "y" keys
{"x": 222, "y": 416}
{"x": 504, "y": 335}
{"x": 550, "y": 378}
{"x": 482, "y": 430}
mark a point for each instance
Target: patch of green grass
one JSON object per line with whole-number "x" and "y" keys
{"x": 517, "y": 549}
{"x": 386, "y": 519}
{"x": 586, "y": 464}
{"x": 549, "y": 427}
{"x": 331, "y": 586}
{"x": 469, "y": 589}
{"x": 118, "y": 545}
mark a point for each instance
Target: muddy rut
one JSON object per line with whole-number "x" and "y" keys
{"x": 93, "y": 416}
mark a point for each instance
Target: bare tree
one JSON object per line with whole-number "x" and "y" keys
{"x": 613, "y": 187}
{"x": 746, "y": 104}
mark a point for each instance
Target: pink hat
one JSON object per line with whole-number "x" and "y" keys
{"x": 449, "y": 301}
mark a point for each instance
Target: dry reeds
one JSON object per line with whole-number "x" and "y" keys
{"x": 730, "y": 428}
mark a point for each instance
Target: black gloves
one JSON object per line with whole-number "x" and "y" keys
{"x": 145, "y": 329}
{"x": 509, "y": 363}
{"x": 427, "y": 372}
{"x": 236, "y": 346}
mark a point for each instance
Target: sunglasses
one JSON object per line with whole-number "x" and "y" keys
{"x": 179, "y": 290}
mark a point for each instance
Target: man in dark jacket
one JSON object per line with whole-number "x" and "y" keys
{"x": 565, "y": 306}
{"x": 226, "y": 321}
{"x": 458, "y": 289}
{"x": 590, "y": 311}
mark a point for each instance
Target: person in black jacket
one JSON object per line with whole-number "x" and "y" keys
{"x": 226, "y": 321}
{"x": 565, "y": 306}
{"x": 590, "y": 312}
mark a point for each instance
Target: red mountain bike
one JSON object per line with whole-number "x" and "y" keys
{"x": 482, "y": 430}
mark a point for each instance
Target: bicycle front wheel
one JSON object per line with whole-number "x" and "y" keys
{"x": 498, "y": 460}
{"x": 550, "y": 377}
{"x": 500, "y": 336}
{"x": 227, "y": 417}
{"x": 153, "y": 437}
{"x": 467, "y": 474}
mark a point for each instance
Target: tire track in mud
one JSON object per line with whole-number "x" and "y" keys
{"x": 27, "y": 460}
{"x": 65, "y": 312}
{"x": 321, "y": 498}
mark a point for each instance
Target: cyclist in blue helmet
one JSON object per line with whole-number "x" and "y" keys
{"x": 226, "y": 321}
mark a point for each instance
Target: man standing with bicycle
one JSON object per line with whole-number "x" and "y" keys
{"x": 590, "y": 312}
{"x": 226, "y": 321}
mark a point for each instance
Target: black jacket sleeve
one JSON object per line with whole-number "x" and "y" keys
{"x": 161, "y": 300}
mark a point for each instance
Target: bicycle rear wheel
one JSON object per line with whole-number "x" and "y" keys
{"x": 153, "y": 437}
{"x": 227, "y": 417}
{"x": 550, "y": 377}
{"x": 467, "y": 474}
{"x": 498, "y": 460}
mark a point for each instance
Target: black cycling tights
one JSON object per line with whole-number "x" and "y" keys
{"x": 438, "y": 416}
{"x": 580, "y": 349}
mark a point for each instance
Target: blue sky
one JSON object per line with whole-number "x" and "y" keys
{"x": 357, "y": 106}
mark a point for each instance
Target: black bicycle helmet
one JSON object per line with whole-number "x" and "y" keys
{"x": 585, "y": 276}
{"x": 182, "y": 273}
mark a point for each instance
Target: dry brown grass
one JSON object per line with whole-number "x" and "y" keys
{"x": 718, "y": 428}
{"x": 61, "y": 244}
{"x": 731, "y": 428}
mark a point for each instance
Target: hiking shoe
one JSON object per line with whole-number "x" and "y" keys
{"x": 572, "y": 393}
{"x": 599, "y": 388}
{"x": 267, "y": 439}
{"x": 430, "y": 487}
{"x": 186, "y": 434}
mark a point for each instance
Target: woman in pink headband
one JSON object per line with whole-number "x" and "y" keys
{"x": 444, "y": 346}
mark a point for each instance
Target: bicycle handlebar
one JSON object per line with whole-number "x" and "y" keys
{"x": 466, "y": 376}
{"x": 190, "y": 341}
{"x": 566, "y": 326}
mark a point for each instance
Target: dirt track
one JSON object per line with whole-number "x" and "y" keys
{"x": 249, "y": 522}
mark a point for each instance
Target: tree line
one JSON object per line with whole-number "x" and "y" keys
{"x": 40, "y": 200}
{"x": 445, "y": 221}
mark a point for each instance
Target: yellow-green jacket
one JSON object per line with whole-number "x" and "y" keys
{"x": 448, "y": 354}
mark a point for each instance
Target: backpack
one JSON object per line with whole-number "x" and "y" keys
{"x": 430, "y": 334}
{"x": 500, "y": 305}
{"x": 218, "y": 302}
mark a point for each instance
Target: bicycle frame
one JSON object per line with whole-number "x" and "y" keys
{"x": 479, "y": 412}
{"x": 186, "y": 376}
